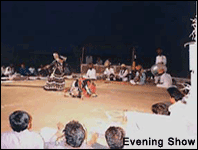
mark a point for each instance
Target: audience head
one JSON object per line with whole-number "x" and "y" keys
{"x": 160, "y": 108}
{"x": 74, "y": 134}
{"x": 23, "y": 65}
{"x": 175, "y": 94}
{"x": 114, "y": 137}
{"x": 123, "y": 66}
{"x": 90, "y": 65}
{"x": 159, "y": 51}
{"x": 138, "y": 67}
{"x": 20, "y": 121}
{"x": 107, "y": 65}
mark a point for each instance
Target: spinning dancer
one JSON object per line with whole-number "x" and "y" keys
{"x": 56, "y": 81}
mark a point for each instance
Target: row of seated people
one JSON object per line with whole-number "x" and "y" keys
{"x": 137, "y": 75}
{"x": 74, "y": 134}
{"x": 10, "y": 70}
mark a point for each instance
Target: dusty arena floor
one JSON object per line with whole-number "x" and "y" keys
{"x": 49, "y": 108}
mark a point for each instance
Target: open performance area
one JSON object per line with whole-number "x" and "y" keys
{"x": 98, "y": 75}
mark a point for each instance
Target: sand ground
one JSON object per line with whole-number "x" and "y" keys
{"x": 49, "y": 108}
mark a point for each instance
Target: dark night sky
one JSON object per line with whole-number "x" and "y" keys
{"x": 47, "y": 25}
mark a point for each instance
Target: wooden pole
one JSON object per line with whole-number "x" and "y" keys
{"x": 82, "y": 58}
{"x": 133, "y": 57}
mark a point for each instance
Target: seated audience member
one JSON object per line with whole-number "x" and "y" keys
{"x": 161, "y": 109}
{"x": 123, "y": 74}
{"x": 24, "y": 70}
{"x": 165, "y": 79}
{"x": 99, "y": 61}
{"x": 177, "y": 100}
{"x": 91, "y": 72}
{"x": 32, "y": 71}
{"x": 2, "y": 71}
{"x": 108, "y": 61}
{"x": 149, "y": 76}
{"x": 72, "y": 136}
{"x": 140, "y": 77}
{"x": 114, "y": 137}
{"x": 9, "y": 70}
{"x": 109, "y": 72}
{"x": 21, "y": 137}
{"x": 132, "y": 73}
{"x": 181, "y": 114}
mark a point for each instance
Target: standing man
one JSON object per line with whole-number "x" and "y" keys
{"x": 99, "y": 61}
{"x": 160, "y": 59}
{"x": 89, "y": 59}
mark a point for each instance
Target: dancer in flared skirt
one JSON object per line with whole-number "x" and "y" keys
{"x": 56, "y": 80}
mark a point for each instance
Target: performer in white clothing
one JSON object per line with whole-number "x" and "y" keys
{"x": 160, "y": 59}
{"x": 91, "y": 72}
{"x": 165, "y": 79}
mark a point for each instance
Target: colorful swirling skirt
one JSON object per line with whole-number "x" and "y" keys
{"x": 55, "y": 83}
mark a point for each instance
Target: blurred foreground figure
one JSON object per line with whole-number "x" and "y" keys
{"x": 72, "y": 136}
{"x": 21, "y": 137}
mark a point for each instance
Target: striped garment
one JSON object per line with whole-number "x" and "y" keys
{"x": 56, "y": 81}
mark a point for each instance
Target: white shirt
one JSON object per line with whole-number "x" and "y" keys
{"x": 160, "y": 59}
{"x": 165, "y": 80}
{"x": 21, "y": 140}
{"x": 8, "y": 71}
{"x": 31, "y": 69}
{"x": 109, "y": 71}
{"x": 91, "y": 73}
{"x": 123, "y": 74}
